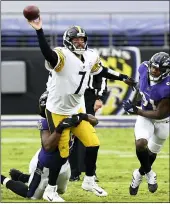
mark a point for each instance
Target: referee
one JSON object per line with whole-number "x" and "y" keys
{"x": 95, "y": 95}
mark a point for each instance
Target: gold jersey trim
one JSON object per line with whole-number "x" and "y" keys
{"x": 96, "y": 66}
{"x": 61, "y": 57}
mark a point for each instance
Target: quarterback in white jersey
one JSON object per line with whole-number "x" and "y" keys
{"x": 50, "y": 86}
{"x": 71, "y": 66}
{"x": 69, "y": 80}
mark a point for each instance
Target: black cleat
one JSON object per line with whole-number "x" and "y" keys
{"x": 74, "y": 178}
{"x": 15, "y": 174}
{"x": 152, "y": 187}
{"x": 152, "y": 181}
{"x": 136, "y": 181}
{"x": 133, "y": 191}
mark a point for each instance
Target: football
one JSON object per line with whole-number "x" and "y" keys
{"x": 31, "y": 12}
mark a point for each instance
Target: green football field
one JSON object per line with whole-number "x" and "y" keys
{"x": 116, "y": 162}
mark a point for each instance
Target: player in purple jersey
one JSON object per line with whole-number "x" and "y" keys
{"x": 42, "y": 165}
{"x": 152, "y": 124}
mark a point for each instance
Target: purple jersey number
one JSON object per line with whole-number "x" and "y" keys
{"x": 152, "y": 95}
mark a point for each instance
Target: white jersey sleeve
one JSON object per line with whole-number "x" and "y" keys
{"x": 49, "y": 82}
{"x": 61, "y": 60}
{"x": 97, "y": 67}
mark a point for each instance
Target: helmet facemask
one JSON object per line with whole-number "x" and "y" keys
{"x": 80, "y": 51}
{"x": 163, "y": 66}
{"x": 68, "y": 37}
{"x": 151, "y": 76}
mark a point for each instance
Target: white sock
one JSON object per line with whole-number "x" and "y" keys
{"x": 149, "y": 172}
{"x": 5, "y": 181}
{"x": 53, "y": 187}
{"x": 89, "y": 176}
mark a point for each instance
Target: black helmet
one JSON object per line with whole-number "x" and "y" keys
{"x": 74, "y": 32}
{"x": 161, "y": 61}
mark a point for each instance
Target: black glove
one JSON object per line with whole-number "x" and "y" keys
{"x": 83, "y": 116}
{"x": 72, "y": 121}
{"x": 129, "y": 107}
{"x": 42, "y": 104}
{"x": 129, "y": 81}
{"x": 43, "y": 98}
{"x": 87, "y": 117}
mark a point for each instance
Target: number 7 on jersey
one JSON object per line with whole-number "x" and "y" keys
{"x": 81, "y": 82}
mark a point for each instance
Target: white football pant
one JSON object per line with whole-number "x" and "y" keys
{"x": 154, "y": 131}
{"x": 62, "y": 180}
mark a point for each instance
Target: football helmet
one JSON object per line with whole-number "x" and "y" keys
{"x": 161, "y": 61}
{"x": 75, "y": 32}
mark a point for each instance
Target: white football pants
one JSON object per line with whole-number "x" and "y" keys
{"x": 62, "y": 180}
{"x": 154, "y": 131}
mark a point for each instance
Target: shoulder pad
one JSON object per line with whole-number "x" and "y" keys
{"x": 146, "y": 63}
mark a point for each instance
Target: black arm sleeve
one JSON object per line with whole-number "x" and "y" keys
{"x": 108, "y": 74}
{"x": 48, "y": 53}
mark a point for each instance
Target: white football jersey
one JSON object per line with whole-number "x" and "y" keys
{"x": 49, "y": 82}
{"x": 69, "y": 80}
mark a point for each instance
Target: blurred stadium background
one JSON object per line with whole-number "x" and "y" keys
{"x": 125, "y": 34}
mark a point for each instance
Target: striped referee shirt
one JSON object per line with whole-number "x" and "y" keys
{"x": 99, "y": 84}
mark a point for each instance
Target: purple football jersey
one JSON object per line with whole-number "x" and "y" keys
{"x": 152, "y": 95}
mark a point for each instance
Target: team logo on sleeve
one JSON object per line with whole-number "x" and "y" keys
{"x": 39, "y": 125}
{"x": 126, "y": 61}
